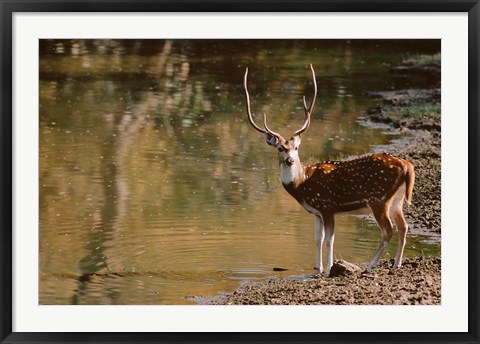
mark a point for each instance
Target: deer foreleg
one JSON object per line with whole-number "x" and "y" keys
{"x": 328, "y": 222}
{"x": 319, "y": 237}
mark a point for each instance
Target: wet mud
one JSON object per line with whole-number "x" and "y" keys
{"x": 417, "y": 282}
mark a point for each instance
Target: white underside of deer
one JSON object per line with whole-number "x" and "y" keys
{"x": 377, "y": 184}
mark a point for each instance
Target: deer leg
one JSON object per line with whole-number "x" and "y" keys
{"x": 328, "y": 222}
{"x": 319, "y": 236}
{"x": 385, "y": 224}
{"x": 402, "y": 227}
{"x": 396, "y": 213}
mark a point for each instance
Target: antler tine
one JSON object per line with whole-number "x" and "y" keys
{"x": 314, "y": 91}
{"x": 308, "y": 111}
{"x": 267, "y": 128}
{"x": 247, "y": 98}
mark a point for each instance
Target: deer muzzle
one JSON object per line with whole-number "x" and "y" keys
{"x": 289, "y": 161}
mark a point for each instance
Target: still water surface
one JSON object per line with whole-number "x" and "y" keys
{"x": 153, "y": 185}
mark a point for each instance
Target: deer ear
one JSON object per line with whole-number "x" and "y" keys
{"x": 271, "y": 140}
{"x": 297, "y": 140}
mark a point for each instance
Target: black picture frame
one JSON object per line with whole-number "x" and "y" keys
{"x": 9, "y": 7}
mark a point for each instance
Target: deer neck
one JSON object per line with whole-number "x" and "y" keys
{"x": 293, "y": 175}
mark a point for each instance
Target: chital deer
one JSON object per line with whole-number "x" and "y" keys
{"x": 379, "y": 183}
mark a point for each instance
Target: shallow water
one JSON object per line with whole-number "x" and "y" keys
{"x": 154, "y": 187}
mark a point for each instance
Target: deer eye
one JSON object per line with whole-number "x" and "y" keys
{"x": 280, "y": 149}
{"x": 296, "y": 148}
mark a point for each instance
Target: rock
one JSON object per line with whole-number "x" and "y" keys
{"x": 343, "y": 268}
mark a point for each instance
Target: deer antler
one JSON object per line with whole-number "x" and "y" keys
{"x": 308, "y": 111}
{"x": 249, "y": 113}
{"x": 267, "y": 128}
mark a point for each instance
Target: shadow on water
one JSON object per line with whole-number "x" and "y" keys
{"x": 154, "y": 187}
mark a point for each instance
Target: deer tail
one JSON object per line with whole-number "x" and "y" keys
{"x": 409, "y": 182}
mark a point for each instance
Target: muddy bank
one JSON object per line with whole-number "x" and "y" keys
{"x": 417, "y": 282}
{"x": 427, "y": 65}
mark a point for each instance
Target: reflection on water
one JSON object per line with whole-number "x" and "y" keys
{"x": 154, "y": 187}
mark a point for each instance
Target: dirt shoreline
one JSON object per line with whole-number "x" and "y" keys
{"x": 418, "y": 281}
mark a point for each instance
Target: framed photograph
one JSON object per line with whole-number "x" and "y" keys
{"x": 243, "y": 171}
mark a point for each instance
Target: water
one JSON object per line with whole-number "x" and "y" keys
{"x": 154, "y": 186}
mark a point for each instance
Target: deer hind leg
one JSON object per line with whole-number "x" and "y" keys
{"x": 319, "y": 237}
{"x": 329, "y": 223}
{"x": 381, "y": 215}
{"x": 396, "y": 212}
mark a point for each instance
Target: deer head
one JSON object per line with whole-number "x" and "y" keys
{"x": 287, "y": 149}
